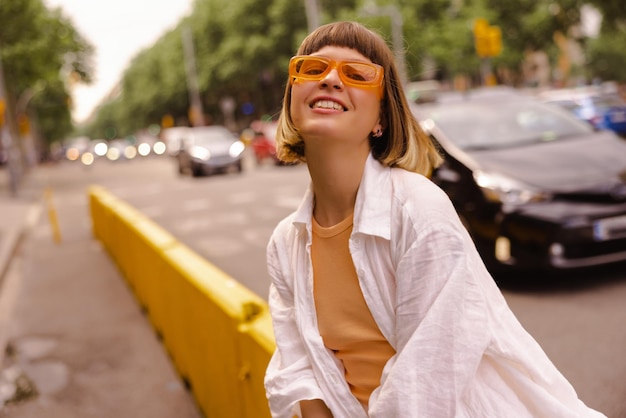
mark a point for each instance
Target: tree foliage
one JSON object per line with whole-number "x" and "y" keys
{"x": 42, "y": 53}
{"x": 606, "y": 59}
{"x": 242, "y": 49}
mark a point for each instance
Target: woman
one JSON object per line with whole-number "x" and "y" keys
{"x": 380, "y": 303}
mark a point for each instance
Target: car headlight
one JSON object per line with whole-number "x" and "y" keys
{"x": 159, "y": 148}
{"x": 502, "y": 189}
{"x": 200, "y": 153}
{"x": 143, "y": 149}
{"x": 87, "y": 158}
{"x": 130, "y": 152}
{"x": 236, "y": 149}
{"x": 100, "y": 149}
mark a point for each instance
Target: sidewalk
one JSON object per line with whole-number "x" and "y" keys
{"x": 73, "y": 341}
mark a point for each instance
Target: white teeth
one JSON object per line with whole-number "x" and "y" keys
{"x": 327, "y": 104}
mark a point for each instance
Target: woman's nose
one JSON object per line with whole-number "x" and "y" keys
{"x": 332, "y": 80}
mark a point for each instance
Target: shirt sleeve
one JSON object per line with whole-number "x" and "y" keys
{"x": 289, "y": 376}
{"x": 441, "y": 327}
{"x": 451, "y": 325}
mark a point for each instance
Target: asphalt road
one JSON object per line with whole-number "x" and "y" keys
{"x": 578, "y": 319}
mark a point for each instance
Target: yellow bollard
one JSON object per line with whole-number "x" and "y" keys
{"x": 52, "y": 216}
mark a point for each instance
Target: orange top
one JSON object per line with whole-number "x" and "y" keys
{"x": 344, "y": 320}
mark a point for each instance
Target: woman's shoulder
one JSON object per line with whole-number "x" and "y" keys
{"x": 419, "y": 205}
{"x": 285, "y": 228}
{"x": 410, "y": 187}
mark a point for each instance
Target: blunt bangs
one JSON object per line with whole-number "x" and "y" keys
{"x": 346, "y": 35}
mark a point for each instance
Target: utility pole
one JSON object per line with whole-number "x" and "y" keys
{"x": 196, "y": 111}
{"x": 312, "y": 14}
{"x": 397, "y": 23}
{"x": 6, "y": 136}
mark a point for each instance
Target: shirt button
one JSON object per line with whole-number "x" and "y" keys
{"x": 357, "y": 240}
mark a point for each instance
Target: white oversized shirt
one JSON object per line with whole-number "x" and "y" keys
{"x": 460, "y": 351}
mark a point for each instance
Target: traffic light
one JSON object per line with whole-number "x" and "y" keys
{"x": 494, "y": 36}
{"x": 487, "y": 39}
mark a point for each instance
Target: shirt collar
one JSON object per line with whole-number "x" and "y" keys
{"x": 372, "y": 210}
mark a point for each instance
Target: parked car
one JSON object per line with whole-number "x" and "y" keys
{"x": 96, "y": 149}
{"x": 209, "y": 149}
{"x": 536, "y": 187}
{"x": 121, "y": 149}
{"x": 602, "y": 109}
{"x": 75, "y": 147}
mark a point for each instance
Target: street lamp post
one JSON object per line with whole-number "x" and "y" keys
{"x": 392, "y": 11}
{"x": 195, "y": 103}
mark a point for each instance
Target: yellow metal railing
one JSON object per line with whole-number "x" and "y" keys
{"x": 217, "y": 332}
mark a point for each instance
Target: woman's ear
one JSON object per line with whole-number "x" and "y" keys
{"x": 377, "y": 132}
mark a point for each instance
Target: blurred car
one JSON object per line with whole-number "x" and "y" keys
{"x": 537, "y": 188}
{"x": 209, "y": 149}
{"x": 96, "y": 149}
{"x": 120, "y": 149}
{"x": 148, "y": 144}
{"x": 75, "y": 147}
{"x": 602, "y": 109}
{"x": 423, "y": 91}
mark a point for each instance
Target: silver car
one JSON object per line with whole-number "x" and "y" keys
{"x": 210, "y": 149}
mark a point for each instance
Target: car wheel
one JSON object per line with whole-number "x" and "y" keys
{"x": 196, "y": 171}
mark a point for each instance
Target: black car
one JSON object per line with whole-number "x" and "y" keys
{"x": 207, "y": 150}
{"x": 536, "y": 187}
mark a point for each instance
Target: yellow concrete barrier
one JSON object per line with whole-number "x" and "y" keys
{"x": 217, "y": 332}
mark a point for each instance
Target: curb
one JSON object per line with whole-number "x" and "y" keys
{"x": 9, "y": 245}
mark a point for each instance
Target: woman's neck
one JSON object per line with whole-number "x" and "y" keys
{"x": 336, "y": 178}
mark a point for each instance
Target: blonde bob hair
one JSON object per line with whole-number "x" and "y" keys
{"x": 403, "y": 143}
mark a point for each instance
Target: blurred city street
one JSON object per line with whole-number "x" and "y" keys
{"x": 74, "y": 341}
{"x": 87, "y": 330}
{"x": 526, "y": 105}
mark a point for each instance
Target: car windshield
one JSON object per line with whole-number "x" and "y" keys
{"x": 211, "y": 137}
{"x": 489, "y": 125}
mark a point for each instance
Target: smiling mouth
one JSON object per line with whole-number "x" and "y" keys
{"x": 327, "y": 104}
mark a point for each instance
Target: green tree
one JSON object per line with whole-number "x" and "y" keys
{"x": 242, "y": 49}
{"x": 42, "y": 53}
{"x": 606, "y": 59}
